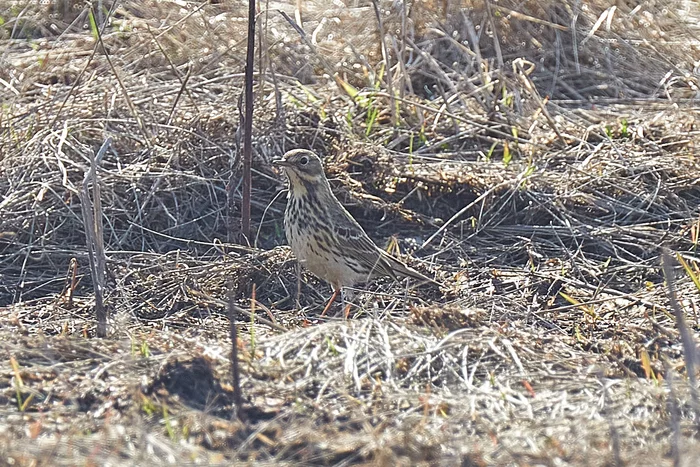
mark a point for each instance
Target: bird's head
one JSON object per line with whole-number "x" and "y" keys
{"x": 303, "y": 168}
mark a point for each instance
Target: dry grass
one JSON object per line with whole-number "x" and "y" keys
{"x": 539, "y": 196}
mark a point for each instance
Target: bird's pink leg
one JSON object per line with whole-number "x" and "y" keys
{"x": 330, "y": 302}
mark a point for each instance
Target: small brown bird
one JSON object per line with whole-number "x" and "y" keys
{"x": 324, "y": 236}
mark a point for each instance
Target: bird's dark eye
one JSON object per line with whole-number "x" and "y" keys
{"x": 304, "y": 160}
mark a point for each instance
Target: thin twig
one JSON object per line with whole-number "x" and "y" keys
{"x": 235, "y": 371}
{"x": 459, "y": 213}
{"x": 614, "y": 434}
{"x": 324, "y": 62}
{"x": 524, "y": 76}
{"x": 139, "y": 121}
{"x": 387, "y": 63}
{"x": 238, "y": 309}
{"x": 176, "y": 72}
{"x": 83, "y": 70}
{"x": 674, "y": 410}
{"x": 689, "y": 347}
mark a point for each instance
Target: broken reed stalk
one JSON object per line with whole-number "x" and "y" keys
{"x": 73, "y": 273}
{"x": 689, "y": 348}
{"x": 92, "y": 218}
{"x": 248, "y": 125}
{"x": 235, "y": 371}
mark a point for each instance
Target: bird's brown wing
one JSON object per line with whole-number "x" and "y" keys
{"x": 358, "y": 245}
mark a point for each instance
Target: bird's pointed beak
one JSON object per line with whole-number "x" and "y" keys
{"x": 280, "y": 163}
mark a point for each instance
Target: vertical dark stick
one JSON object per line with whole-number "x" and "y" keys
{"x": 237, "y": 399}
{"x": 248, "y": 124}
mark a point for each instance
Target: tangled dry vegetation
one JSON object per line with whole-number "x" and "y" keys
{"x": 534, "y": 156}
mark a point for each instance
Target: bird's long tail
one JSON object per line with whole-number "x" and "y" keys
{"x": 397, "y": 268}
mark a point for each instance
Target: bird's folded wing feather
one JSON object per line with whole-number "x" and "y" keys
{"x": 360, "y": 246}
